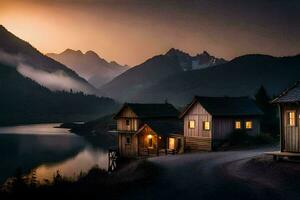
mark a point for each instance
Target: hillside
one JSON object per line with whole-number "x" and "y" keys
{"x": 34, "y": 64}
{"x": 24, "y": 101}
{"x": 155, "y": 69}
{"x": 90, "y": 66}
{"x": 239, "y": 77}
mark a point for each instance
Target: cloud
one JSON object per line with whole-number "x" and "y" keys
{"x": 10, "y": 59}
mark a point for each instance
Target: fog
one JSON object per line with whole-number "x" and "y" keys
{"x": 54, "y": 81}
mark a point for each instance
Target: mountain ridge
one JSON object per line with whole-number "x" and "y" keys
{"x": 241, "y": 76}
{"x": 90, "y": 65}
{"x": 153, "y": 70}
{"x": 22, "y": 52}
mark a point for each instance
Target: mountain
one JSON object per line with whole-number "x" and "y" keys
{"x": 25, "y": 101}
{"x": 90, "y": 66}
{"x": 241, "y": 76}
{"x": 33, "y": 64}
{"x": 200, "y": 61}
{"x": 125, "y": 86}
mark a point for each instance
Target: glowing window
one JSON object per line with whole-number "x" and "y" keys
{"x": 248, "y": 124}
{"x": 291, "y": 118}
{"x": 192, "y": 124}
{"x": 238, "y": 125}
{"x": 206, "y": 126}
{"x": 150, "y": 141}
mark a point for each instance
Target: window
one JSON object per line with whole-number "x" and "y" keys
{"x": 248, "y": 124}
{"x": 206, "y": 126}
{"x": 238, "y": 125}
{"x": 128, "y": 139}
{"x": 291, "y": 118}
{"x": 172, "y": 143}
{"x": 150, "y": 141}
{"x": 127, "y": 122}
{"x": 192, "y": 124}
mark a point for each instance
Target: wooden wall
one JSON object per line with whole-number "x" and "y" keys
{"x": 127, "y": 114}
{"x": 199, "y": 114}
{"x": 224, "y": 126}
{"x": 197, "y": 144}
{"x": 127, "y": 150}
{"x": 197, "y": 139}
{"x": 290, "y": 139}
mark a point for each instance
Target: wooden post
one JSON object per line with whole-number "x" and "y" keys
{"x": 166, "y": 144}
{"x": 157, "y": 148}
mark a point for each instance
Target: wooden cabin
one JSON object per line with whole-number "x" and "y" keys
{"x": 289, "y": 112}
{"x": 148, "y": 130}
{"x": 210, "y": 120}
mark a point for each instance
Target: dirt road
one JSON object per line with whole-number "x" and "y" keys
{"x": 213, "y": 175}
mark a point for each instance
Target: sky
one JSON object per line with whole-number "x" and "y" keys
{"x": 131, "y": 31}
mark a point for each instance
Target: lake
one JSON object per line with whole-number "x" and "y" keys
{"x": 46, "y": 149}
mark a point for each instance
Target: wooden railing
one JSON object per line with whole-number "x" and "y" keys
{"x": 113, "y": 156}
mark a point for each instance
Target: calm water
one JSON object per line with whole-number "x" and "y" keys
{"x": 47, "y": 149}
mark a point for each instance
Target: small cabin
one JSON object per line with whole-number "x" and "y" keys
{"x": 149, "y": 130}
{"x": 289, "y": 111}
{"x": 210, "y": 120}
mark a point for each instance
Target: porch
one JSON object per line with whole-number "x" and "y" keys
{"x": 278, "y": 155}
{"x": 151, "y": 143}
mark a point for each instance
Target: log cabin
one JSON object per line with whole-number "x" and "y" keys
{"x": 149, "y": 130}
{"x": 289, "y": 116}
{"x": 208, "y": 121}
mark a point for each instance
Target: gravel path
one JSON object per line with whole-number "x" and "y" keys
{"x": 212, "y": 175}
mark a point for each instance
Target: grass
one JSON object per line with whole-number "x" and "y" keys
{"x": 95, "y": 183}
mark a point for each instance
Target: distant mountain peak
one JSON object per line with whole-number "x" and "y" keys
{"x": 92, "y": 54}
{"x": 205, "y": 53}
{"x": 71, "y": 51}
{"x": 90, "y": 65}
{"x": 176, "y": 52}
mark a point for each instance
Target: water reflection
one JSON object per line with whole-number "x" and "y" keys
{"x": 47, "y": 149}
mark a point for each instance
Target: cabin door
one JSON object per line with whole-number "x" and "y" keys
{"x": 172, "y": 143}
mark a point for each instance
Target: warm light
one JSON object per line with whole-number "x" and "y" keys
{"x": 248, "y": 124}
{"x": 238, "y": 125}
{"x": 292, "y": 118}
{"x": 192, "y": 124}
{"x": 206, "y": 126}
{"x": 159, "y": 137}
{"x": 149, "y": 136}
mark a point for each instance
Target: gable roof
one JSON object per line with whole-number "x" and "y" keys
{"x": 151, "y": 110}
{"x": 291, "y": 95}
{"x": 226, "y": 106}
{"x": 164, "y": 128}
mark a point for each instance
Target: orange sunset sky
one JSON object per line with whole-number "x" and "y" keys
{"x": 130, "y": 31}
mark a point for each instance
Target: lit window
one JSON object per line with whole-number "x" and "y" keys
{"x": 127, "y": 122}
{"x": 248, "y": 124}
{"x": 192, "y": 124}
{"x": 206, "y": 126}
{"x": 238, "y": 125}
{"x": 292, "y": 118}
{"x": 150, "y": 141}
{"x": 128, "y": 140}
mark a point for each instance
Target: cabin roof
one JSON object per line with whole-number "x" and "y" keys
{"x": 226, "y": 106}
{"x": 151, "y": 110}
{"x": 164, "y": 128}
{"x": 291, "y": 95}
